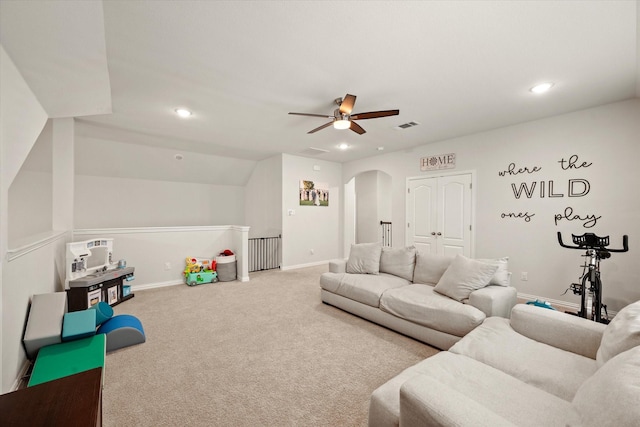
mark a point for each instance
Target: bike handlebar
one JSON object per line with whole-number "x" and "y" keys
{"x": 590, "y": 237}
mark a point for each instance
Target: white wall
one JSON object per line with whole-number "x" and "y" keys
{"x": 373, "y": 204}
{"x": 32, "y": 273}
{"x": 367, "y": 222}
{"x": 30, "y": 194}
{"x": 606, "y": 136}
{"x": 263, "y": 199}
{"x": 103, "y": 202}
{"x": 384, "y": 197}
{"x": 63, "y": 173}
{"x": 158, "y": 254}
{"x": 317, "y": 228}
{"x": 140, "y": 156}
{"x": 22, "y": 118}
{"x": 30, "y": 206}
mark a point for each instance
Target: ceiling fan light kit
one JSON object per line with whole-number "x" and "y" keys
{"x": 342, "y": 124}
{"x": 343, "y": 119}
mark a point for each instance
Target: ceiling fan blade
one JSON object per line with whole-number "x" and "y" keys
{"x": 320, "y": 127}
{"x": 357, "y": 128}
{"x": 346, "y": 106}
{"x": 312, "y": 115}
{"x": 375, "y": 114}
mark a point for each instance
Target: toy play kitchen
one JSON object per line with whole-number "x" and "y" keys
{"x": 93, "y": 276}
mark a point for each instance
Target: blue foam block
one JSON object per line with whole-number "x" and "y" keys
{"x": 103, "y": 311}
{"x": 78, "y": 324}
{"x": 121, "y": 331}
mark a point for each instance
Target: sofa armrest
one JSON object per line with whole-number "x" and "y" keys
{"x": 494, "y": 300}
{"x": 338, "y": 266}
{"x": 561, "y": 330}
{"x": 425, "y": 401}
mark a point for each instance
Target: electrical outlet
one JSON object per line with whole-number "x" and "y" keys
{"x": 524, "y": 276}
{"x": 167, "y": 266}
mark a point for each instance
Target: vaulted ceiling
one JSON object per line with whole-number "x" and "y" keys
{"x": 455, "y": 68}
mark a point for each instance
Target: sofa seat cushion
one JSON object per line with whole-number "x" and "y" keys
{"x": 363, "y": 288}
{"x": 454, "y": 386}
{"x": 556, "y": 371}
{"x": 384, "y": 405}
{"x": 422, "y": 305}
{"x": 330, "y": 281}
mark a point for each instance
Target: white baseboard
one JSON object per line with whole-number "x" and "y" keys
{"x": 156, "y": 285}
{"x": 170, "y": 283}
{"x": 21, "y": 374}
{"x": 311, "y": 264}
{"x": 568, "y": 306}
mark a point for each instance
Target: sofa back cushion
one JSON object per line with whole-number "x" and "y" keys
{"x": 464, "y": 276}
{"x": 611, "y": 396}
{"x": 398, "y": 261}
{"x": 364, "y": 258}
{"x": 621, "y": 334}
{"x": 430, "y": 267}
{"x": 502, "y": 276}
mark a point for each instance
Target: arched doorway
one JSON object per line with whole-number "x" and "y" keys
{"x": 367, "y": 203}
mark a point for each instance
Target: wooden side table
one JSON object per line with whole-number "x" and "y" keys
{"x": 73, "y": 401}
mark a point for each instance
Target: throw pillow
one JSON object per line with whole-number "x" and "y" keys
{"x": 430, "y": 268}
{"x": 398, "y": 261}
{"x": 464, "y": 276}
{"x": 611, "y": 395}
{"x": 621, "y": 334}
{"x": 502, "y": 276}
{"x": 364, "y": 258}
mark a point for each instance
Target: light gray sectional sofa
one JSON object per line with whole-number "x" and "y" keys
{"x": 538, "y": 368}
{"x": 433, "y": 298}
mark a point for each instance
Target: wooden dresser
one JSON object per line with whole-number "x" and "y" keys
{"x": 72, "y": 401}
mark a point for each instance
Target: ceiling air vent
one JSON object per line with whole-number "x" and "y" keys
{"x": 313, "y": 151}
{"x": 406, "y": 125}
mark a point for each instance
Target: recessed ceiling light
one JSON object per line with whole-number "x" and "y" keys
{"x": 380, "y": 148}
{"x": 343, "y": 146}
{"x": 182, "y": 112}
{"x": 541, "y": 88}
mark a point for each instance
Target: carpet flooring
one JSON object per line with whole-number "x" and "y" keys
{"x": 266, "y": 352}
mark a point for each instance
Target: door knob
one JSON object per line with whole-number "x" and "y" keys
{"x": 433, "y": 233}
{"x": 439, "y": 233}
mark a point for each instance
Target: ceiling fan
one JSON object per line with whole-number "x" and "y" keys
{"x": 343, "y": 119}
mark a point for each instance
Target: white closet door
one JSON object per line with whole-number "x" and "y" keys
{"x": 422, "y": 214}
{"x": 454, "y": 215}
{"x": 439, "y": 214}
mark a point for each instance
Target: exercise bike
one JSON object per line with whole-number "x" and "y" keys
{"x": 591, "y": 306}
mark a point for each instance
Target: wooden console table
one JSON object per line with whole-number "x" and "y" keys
{"x": 70, "y": 401}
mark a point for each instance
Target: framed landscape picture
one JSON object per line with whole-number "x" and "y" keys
{"x": 314, "y": 193}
